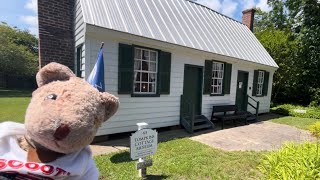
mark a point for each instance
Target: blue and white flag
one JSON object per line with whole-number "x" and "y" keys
{"x": 96, "y": 77}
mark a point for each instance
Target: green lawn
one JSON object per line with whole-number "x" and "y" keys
{"x": 13, "y": 105}
{"x": 184, "y": 159}
{"x": 302, "y": 123}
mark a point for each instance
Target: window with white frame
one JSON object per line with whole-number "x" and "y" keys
{"x": 260, "y": 83}
{"x": 145, "y": 71}
{"x": 217, "y": 77}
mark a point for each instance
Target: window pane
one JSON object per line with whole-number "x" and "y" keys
{"x": 144, "y": 77}
{"x": 137, "y": 76}
{"x": 220, "y": 74}
{"x": 153, "y": 56}
{"x": 219, "y": 82}
{"x": 136, "y": 87}
{"x": 152, "y": 77}
{"x": 137, "y": 54}
{"x": 145, "y": 55}
{"x": 152, "y": 67}
{"x": 215, "y": 82}
{"x": 137, "y": 65}
{"x": 145, "y": 66}
{"x": 144, "y": 87}
{"x": 152, "y": 87}
{"x": 215, "y": 89}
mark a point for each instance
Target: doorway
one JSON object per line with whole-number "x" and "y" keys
{"x": 192, "y": 87}
{"x": 242, "y": 89}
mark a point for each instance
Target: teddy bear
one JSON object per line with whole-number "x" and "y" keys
{"x": 61, "y": 121}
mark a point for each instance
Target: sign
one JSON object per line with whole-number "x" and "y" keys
{"x": 144, "y": 164}
{"x": 143, "y": 143}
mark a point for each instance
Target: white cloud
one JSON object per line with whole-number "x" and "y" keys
{"x": 32, "y": 5}
{"x": 213, "y": 4}
{"x": 30, "y": 20}
{"x": 34, "y": 30}
{"x": 263, "y": 5}
{"x": 229, "y": 7}
{"x": 247, "y": 4}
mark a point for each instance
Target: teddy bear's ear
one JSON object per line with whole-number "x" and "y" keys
{"x": 53, "y": 72}
{"x": 111, "y": 104}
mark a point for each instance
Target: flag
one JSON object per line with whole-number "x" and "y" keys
{"x": 96, "y": 77}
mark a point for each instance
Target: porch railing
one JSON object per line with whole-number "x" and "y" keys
{"x": 255, "y": 105}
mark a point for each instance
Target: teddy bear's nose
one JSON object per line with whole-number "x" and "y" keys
{"x": 61, "y": 132}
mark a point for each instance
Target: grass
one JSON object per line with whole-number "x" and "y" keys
{"x": 289, "y": 110}
{"x": 13, "y": 105}
{"x": 184, "y": 159}
{"x": 302, "y": 123}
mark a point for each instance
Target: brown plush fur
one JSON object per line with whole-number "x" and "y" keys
{"x": 65, "y": 111}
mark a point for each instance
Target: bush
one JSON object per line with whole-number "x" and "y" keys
{"x": 288, "y": 110}
{"x": 315, "y": 98}
{"x": 292, "y": 161}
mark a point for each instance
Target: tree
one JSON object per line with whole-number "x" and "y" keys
{"x": 18, "y": 51}
{"x": 283, "y": 48}
{"x": 299, "y": 22}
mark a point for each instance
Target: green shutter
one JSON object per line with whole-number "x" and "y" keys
{"x": 79, "y": 61}
{"x": 265, "y": 83}
{"x": 125, "y": 71}
{"x": 227, "y": 78}
{"x": 255, "y": 82}
{"x": 207, "y": 77}
{"x": 164, "y": 69}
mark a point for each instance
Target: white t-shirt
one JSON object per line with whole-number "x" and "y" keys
{"x": 14, "y": 165}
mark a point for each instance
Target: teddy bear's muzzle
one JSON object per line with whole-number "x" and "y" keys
{"x": 61, "y": 132}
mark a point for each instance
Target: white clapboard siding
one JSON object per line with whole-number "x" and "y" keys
{"x": 164, "y": 110}
{"x": 79, "y": 33}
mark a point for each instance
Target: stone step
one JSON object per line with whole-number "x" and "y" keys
{"x": 203, "y": 126}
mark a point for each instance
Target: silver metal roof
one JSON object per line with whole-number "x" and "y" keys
{"x": 180, "y": 22}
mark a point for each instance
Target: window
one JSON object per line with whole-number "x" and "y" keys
{"x": 145, "y": 71}
{"x": 217, "y": 77}
{"x": 260, "y": 83}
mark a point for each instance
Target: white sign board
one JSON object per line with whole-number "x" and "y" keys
{"x": 143, "y": 143}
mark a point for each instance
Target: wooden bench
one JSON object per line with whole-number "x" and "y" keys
{"x": 226, "y": 113}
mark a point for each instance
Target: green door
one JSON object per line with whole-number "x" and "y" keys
{"x": 192, "y": 87}
{"x": 242, "y": 86}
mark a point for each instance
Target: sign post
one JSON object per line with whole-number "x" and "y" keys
{"x": 143, "y": 143}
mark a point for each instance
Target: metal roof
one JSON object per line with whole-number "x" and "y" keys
{"x": 180, "y": 22}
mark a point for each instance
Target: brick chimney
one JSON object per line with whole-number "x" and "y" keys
{"x": 248, "y": 18}
{"x": 56, "y": 40}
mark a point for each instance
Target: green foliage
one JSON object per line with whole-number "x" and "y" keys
{"x": 18, "y": 51}
{"x": 292, "y": 161}
{"x": 315, "y": 98}
{"x": 295, "y": 22}
{"x": 288, "y": 110}
{"x": 184, "y": 159}
{"x": 315, "y": 130}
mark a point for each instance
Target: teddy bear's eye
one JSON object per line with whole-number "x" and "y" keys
{"x": 52, "y": 97}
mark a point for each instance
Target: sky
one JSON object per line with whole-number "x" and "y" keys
{"x": 23, "y": 13}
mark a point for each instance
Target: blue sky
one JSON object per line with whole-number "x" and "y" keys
{"x": 23, "y": 13}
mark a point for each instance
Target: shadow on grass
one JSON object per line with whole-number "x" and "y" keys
{"x": 121, "y": 157}
{"x": 156, "y": 177}
{"x": 15, "y": 93}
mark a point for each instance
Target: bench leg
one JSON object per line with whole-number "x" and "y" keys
{"x": 245, "y": 121}
{"x": 222, "y": 124}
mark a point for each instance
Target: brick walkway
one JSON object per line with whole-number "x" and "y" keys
{"x": 262, "y": 135}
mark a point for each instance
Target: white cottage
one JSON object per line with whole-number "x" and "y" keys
{"x": 163, "y": 55}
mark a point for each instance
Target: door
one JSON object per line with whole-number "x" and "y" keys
{"x": 242, "y": 87}
{"x": 192, "y": 87}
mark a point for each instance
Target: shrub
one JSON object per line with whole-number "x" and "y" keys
{"x": 315, "y": 98}
{"x": 288, "y": 110}
{"x": 292, "y": 161}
